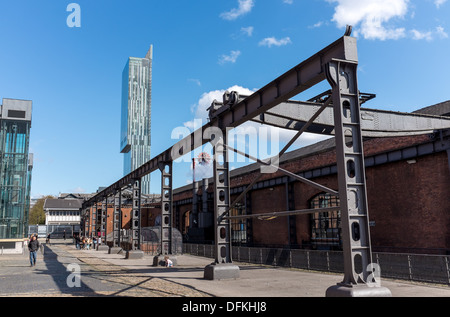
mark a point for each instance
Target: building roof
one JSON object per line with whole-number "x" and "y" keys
{"x": 62, "y": 204}
{"x": 440, "y": 109}
{"x": 75, "y": 196}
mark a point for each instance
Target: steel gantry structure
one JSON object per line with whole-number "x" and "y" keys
{"x": 337, "y": 112}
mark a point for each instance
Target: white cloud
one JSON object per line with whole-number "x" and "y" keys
{"x": 370, "y": 17}
{"x": 288, "y": 1}
{"x": 248, "y": 30}
{"x": 418, "y": 35}
{"x": 245, "y": 6}
{"x": 250, "y": 137}
{"x": 438, "y": 3}
{"x": 271, "y": 41}
{"x": 201, "y": 170}
{"x": 229, "y": 58}
{"x": 317, "y": 25}
{"x": 77, "y": 190}
{"x": 195, "y": 81}
{"x": 201, "y": 108}
{"x": 441, "y": 32}
{"x": 429, "y": 35}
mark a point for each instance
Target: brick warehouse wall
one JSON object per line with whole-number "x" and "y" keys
{"x": 149, "y": 215}
{"x": 409, "y": 204}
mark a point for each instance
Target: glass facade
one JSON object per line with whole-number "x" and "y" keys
{"x": 16, "y": 167}
{"x": 135, "y": 136}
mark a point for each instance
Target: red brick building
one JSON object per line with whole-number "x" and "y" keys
{"x": 408, "y": 184}
{"x": 150, "y": 213}
{"x": 408, "y": 189}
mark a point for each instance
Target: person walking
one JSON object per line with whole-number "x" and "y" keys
{"x": 33, "y": 247}
{"x": 77, "y": 242}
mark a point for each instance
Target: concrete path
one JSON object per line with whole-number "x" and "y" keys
{"x": 103, "y": 274}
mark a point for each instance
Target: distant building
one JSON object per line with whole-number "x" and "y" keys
{"x": 62, "y": 211}
{"x": 135, "y": 136}
{"x": 62, "y": 216}
{"x": 15, "y": 170}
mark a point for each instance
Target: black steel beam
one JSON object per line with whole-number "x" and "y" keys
{"x": 298, "y": 79}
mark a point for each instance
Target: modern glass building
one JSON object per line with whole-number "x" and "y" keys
{"x": 135, "y": 136}
{"x": 16, "y": 166}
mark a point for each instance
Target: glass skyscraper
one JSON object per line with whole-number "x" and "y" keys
{"x": 16, "y": 166}
{"x": 135, "y": 136}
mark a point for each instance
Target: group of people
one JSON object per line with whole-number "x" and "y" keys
{"x": 86, "y": 243}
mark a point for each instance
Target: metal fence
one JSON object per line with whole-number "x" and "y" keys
{"x": 55, "y": 231}
{"x": 150, "y": 240}
{"x": 412, "y": 267}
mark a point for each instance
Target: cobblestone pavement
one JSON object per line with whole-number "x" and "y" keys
{"x": 98, "y": 277}
{"x": 103, "y": 275}
{"x": 134, "y": 284}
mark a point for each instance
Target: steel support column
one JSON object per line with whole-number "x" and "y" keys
{"x": 104, "y": 215}
{"x": 358, "y": 269}
{"x": 193, "y": 218}
{"x": 94, "y": 221}
{"x": 166, "y": 208}
{"x": 222, "y": 268}
{"x": 103, "y": 219}
{"x": 87, "y": 222}
{"x": 204, "y": 218}
{"x": 135, "y": 252}
{"x": 117, "y": 223}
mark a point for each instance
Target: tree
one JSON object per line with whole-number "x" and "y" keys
{"x": 37, "y": 213}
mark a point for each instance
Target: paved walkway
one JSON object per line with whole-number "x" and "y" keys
{"x": 105, "y": 274}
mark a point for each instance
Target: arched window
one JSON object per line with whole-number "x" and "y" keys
{"x": 185, "y": 222}
{"x": 238, "y": 226}
{"x": 326, "y": 226}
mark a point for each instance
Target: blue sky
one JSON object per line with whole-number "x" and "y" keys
{"x": 201, "y": 47}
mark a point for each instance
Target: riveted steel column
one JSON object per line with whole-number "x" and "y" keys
{"x": 103, "y": 231}
{"x": 94, "y": 220}
{"x": 222, "y": 268}
{"x": 203, "y": 220}
{"x": 117, "y": 218}
{"x": 103, "y": 224}
{"x": 135, "y": 252}
{"x": 136, "y": 216}
{"x": 351, "y": 172}
{"x": 117, "y": 223}
{"x": 194, "y": 217}
{"x": 166, "y": 208}
{"x": 87, "y": 216}
{"x": 222, "y": 202}
{"x": 342, "y": 76}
